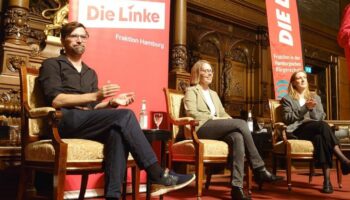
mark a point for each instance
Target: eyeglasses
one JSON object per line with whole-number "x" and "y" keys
{"x": 76, "y": 37}
{"x": 207, "y": 70}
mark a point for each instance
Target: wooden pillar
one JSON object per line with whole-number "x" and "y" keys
{"x": 179, "y": 77}
{"x": 16, "y": 22}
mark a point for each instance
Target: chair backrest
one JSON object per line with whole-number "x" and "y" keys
{"x": 175, "y": 108}
{"x": 31, "y": 98}
{"x": 275, "y": 111}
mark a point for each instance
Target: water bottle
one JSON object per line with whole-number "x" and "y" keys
{"x": 250, "y": 121}
{"x": 143, "y": 115}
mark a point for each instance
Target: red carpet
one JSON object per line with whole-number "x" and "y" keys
{"x": 301, "y": 189}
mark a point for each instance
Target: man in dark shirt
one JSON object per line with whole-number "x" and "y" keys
{"x": 70, "y": 85}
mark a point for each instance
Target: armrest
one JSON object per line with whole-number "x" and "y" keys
{"x": 279, "y": 128}
{"x": 187, "y": 121}
{"x": 40, "y": 112}
{"x": 182, "y": 121}
{"x": 335, "y": 124}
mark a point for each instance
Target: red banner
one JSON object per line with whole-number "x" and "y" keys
{"x": 128, "y": 45}
{"x": 284, "y": 36}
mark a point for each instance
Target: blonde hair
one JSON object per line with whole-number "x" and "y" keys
{"x": 195, "y": 76}
{"x": 292, "y": 91}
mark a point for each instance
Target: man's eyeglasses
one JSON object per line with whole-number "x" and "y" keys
{"x": 207, "y": 70}
{"x": 76, "y": 37}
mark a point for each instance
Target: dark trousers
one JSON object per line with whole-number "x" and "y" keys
{"x": 323, "y": 139}
{"x": 236, "y": 134}
{"x": 119, "y": 131}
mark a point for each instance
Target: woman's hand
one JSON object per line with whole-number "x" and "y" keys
{"x": 123, "y": 99}
{"x": 310, "y": 103}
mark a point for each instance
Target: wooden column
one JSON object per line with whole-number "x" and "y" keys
{"x": 179, "y": 77}
{"x": 16, "y": 22}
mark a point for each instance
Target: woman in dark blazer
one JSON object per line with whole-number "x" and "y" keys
{"x": 204, "y": 105}
{"x": 303, "y": 114}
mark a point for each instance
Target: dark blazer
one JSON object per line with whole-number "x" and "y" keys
{"x": 294, "y": 114}
{"x": 196, "y": 106}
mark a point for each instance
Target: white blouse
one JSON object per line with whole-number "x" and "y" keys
{"x": 209, "y": 102}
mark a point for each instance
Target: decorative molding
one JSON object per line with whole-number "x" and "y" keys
{"x": 318, "y": 54}
{"x": 15, "y": 62}
{"x": 16, "y": 25}
{"x": 179, "y": 58}
{"x": 10, "y": 102}
{"x": 182, "y": 84}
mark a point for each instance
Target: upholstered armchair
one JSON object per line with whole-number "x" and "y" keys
{"x": 290, "y": 149}
{"x": 54, "y": 155}
{"x": 192, "y": 150}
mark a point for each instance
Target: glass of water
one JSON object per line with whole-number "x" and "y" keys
{"x": 261, "y": 124}
{"x": 158, "y": 118}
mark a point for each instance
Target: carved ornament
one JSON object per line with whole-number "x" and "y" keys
{"x": 10, "y": 102}
{"x": 16, "y": 25}
{"x": 15, "y": 62}
{"x": 179, "y": 58}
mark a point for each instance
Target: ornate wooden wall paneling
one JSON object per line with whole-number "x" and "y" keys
{"x": 25, "y": 47}
{"x": 235, "y": 48}
{"x": 214, "y": 26}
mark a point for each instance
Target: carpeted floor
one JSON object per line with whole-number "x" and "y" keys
{"x": 301, "y": 189}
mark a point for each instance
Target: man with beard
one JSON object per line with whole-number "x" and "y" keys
{"x": 70, "y": 85}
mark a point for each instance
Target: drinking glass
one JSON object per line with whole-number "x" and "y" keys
{"x": 158, "y": 118}
{"x": 261, "y": 124}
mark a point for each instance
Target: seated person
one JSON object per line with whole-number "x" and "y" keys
{"x": 303, "y": 114}
{"x": 71, "y": 86}
{"x": 204, "y": 105}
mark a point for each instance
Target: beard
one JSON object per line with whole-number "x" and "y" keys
{"x": 79, "y": 49}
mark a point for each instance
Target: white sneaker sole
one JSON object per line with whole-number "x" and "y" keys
{"x": 161, "y": 189}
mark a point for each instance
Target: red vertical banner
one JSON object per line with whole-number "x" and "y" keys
{"x": 285, "y": 43}
{"x": 128, "y": 45}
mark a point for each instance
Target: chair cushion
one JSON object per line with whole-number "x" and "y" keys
{"x": 297, "y": 147}
{"x": 213, "y": 148}
{"x": 78, "y": 150}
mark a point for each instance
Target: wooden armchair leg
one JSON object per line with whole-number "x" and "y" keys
{"x": 311, "y": 171}
{"x": 59, "y": 179}
{"x": 249, "y": 178}
{"x": 83, "y": 185}
{"x": 339, "y": 173}
{"x": 199, "y": 181}
{"x": 274, "y": 164}
{"x": 289, "y": 173}
{"x": 22, "y": 184}
{"x": 208, "y": 177}
{"x": 135, "y": 182}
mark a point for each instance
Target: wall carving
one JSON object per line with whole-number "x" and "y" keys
{"x": 179, "y": 57}
{"x": 16, "y": 24}
{"x": 232, "y": 52}
{"x": 15, "y": 62}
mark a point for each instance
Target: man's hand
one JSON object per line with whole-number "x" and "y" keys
{"x": 310, "y": 103}
{"x": 123, "y": 99}
{"x": 107, "y": 90}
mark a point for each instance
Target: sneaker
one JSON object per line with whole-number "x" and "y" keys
{"x": 171, "y": 181}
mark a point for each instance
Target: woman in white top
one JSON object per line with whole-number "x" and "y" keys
{"x": 204, "y": 105}
{"x": 303, "y": 114}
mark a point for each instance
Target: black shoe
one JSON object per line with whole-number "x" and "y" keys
{"x": 170, "y": 181}
{"x": 345, "y": 168}
{"x": 238, "y": 194}
{"x": 262, "y": 175}
{"x": 327, "y": 187}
